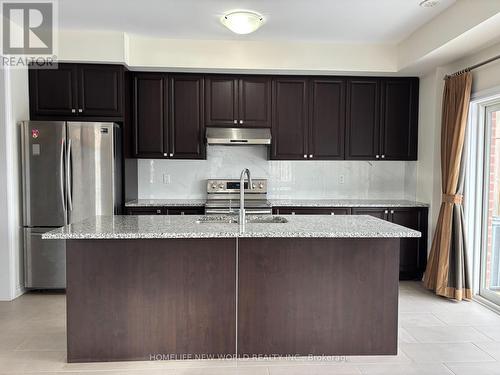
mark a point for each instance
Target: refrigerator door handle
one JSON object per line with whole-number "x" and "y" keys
{"x": 69, "y": 177}
{"x": 61, "y": 171}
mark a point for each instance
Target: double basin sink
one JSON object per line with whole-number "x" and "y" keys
{"x": 213, "y": 219}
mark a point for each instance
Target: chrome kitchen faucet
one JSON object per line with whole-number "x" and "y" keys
{"x": 244, "y": 172}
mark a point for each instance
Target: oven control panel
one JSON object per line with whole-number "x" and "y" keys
{"x": 233, "y": 186}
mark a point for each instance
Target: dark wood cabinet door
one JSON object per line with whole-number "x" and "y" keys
{"x": 327, "y": 124}
{"x": 186, "y": 210}
{"x": 150, "y": 103}
{"x": 380, "y": 213}
{"x": 128, "y": 300}
{"x": 221, "y": 100}
{"x": 146, "y": 211}
{"x": 413, "y": 251}
{"x": 186, "y": 117}
{"x": 363, "y": 119}
{"x": 313, "y": 211}
{"x": 299, "y": 296}
{"x": 254, "y": 102}
{"x": 100, "y": 90}
{"x": 290, "y": 114}
{"x": 53, "y": 92}
{"x": 399, "y": 119}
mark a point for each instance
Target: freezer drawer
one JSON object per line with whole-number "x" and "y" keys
{"x": 45, "y": 260}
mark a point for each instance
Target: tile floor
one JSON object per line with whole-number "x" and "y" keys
{"x": 437, "y": 337}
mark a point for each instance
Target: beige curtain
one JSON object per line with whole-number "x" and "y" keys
{"x": 447, "y": 270}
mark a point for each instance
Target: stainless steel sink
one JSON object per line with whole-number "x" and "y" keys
{"x": 223, "y": 219}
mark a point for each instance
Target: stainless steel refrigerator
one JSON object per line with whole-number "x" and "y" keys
{"x": 71, "y": 171}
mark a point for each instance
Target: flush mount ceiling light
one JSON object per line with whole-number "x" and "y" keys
{"x": 429, "y": 3}
{"x": 242, "y": 21}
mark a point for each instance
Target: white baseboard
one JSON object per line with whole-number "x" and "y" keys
{"x": 19, "y": 291}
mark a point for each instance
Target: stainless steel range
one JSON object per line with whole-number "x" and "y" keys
{"x": 223, "y": 197}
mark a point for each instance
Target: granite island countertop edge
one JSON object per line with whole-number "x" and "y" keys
{"x": 298, "y": 226}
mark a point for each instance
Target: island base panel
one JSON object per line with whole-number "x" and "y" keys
{"x": 303, "y": 296}
{"x": 131, "y": 299}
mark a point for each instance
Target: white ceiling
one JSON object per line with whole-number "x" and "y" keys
{"x": 338, "y": 21}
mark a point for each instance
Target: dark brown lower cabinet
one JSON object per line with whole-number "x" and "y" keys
{"x": 311, "y": 211}
{"x": 171, "y": 210}
{"x": 139, "y": 299}
{"x": 323, "y": 296}
{"x": 413, "y": 251}
{"x": 146, "y": 211}
{"x": 185, "y": 210}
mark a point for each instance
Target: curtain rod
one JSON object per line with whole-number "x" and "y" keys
{"x": 494, "y": 58}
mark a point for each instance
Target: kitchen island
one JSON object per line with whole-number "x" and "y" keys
{"x": 146, "y": 287}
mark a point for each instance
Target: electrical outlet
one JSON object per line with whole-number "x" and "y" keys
{"x": 166, "y": 179}
{"x": 341, "y": 179}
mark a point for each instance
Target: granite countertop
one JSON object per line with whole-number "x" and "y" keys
{"x": 159, "y": 226}
{"x": 286, "y": 203}
{"x": 166, "y": 202}
{"x": 345, "y": 203}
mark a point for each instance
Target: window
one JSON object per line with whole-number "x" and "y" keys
{"x": 482, "y": 196}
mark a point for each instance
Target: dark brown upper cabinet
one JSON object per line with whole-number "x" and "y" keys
{"x": 73, "y": 91}
{"x": 363, "y": 119}
{"x": 186, "y": 117}
{"x": 327, "y": 119}
{"x": 399, "y": 119}
{"x": 150, "y": 115}
{"x": 290, "y": 118}
{"x": 308, "y": 118}
{"x": 382, "y": 119}
{"x": 234, "y": 101}
{"x": 221, "y": 100}
{"x": 53, "y": 92}
{"x": 168, "y": 116}
{"x": 100, "y": 90}
{"x": 254, "y": 102}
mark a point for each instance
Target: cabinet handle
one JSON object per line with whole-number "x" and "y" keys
{"x": 165, "y": 154}
{"x": 73, "y": 110}
{"x": 392, "y": 211}
{"x": 305, "y": 156}
{"x": 171, "y": 154}
{"x": 332, "y": 213}
{"x": 310, "y": 156}
{"x": 235, "y": 121}
{"x": 80, "y": 110}
{"x": 386, "y": 211}
{"x": 158, "y": 211}
{"x": 383, "y": 156}
{"x": 377, "y": 156}
{"x": 241, "y": 121}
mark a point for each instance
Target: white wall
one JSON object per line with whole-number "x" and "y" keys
{"x": 428, "y": 187}
{"x": 172, "y": 179}
{"x": 14, "y": 107}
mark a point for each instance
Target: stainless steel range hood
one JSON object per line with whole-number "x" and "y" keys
{"x": 238, "y": 136}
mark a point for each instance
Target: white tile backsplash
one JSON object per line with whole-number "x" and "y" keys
{"x": 185, "y": 179}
